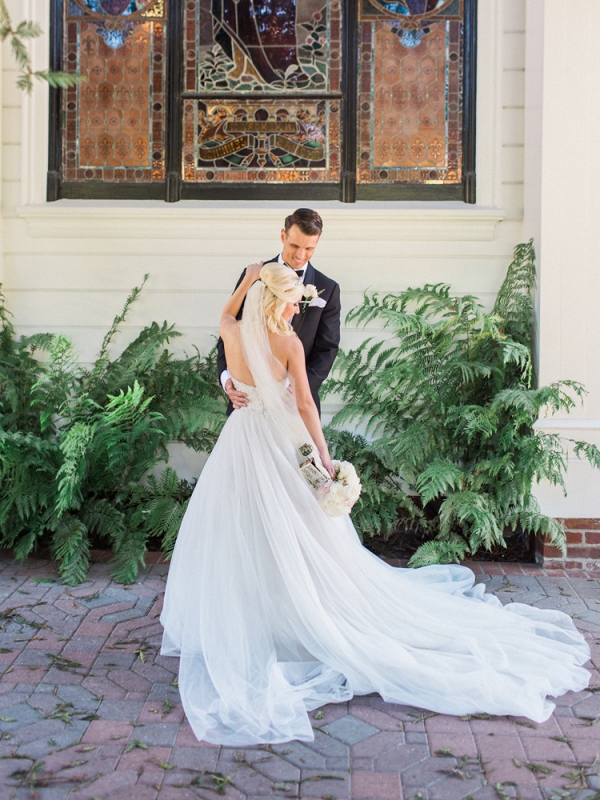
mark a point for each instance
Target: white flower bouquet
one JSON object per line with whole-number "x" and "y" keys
{"x": 337, "y": 496}
{"x": 342, "y": 492}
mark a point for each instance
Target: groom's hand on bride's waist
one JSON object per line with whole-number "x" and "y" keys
{"x": 238, "y": 399}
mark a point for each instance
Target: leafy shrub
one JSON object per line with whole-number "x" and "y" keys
{"x": 450, "y": 404}
{"x": 382, "y": 498}
{"x": 76, "y": 443}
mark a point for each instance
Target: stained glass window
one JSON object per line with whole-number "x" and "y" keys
{"x": 261, "y": 140}
{"x": 410, "y": 102}
{"x": 288, "y": 53}
{"x": 312, "y": 99}
{"x": 115, "y": 121}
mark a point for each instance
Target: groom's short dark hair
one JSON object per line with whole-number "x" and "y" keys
{"x": 309, "y": 222}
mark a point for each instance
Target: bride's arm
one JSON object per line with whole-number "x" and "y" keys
{"x": 233, "y": 305}
{"x": 306, "y": 405}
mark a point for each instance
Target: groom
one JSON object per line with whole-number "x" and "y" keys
{"x": 318, "y": 323}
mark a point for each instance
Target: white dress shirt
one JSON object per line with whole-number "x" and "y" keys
{"x": 299, "y": 272}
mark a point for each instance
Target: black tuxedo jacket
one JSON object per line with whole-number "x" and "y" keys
{"x": 317, "y": 328}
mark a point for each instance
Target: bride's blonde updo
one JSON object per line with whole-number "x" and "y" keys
{"x": 282, "y": 286}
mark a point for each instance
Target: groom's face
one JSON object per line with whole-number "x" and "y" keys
{"x": 298, "y": 248}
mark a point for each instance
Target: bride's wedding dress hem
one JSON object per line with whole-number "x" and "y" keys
{"x": 275, "y": 608}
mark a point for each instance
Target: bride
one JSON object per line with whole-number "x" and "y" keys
{"x": 275, "y": 608}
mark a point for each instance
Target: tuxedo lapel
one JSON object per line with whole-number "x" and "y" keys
{"x": 298, "y": 320}
{"x": 309, "y": 274}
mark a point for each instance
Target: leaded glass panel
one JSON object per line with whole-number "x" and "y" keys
{"x": 410, "y": 92}
{"x": 290, "y": 49}
{"x": 114, "y": 123}
{"x": 264, "y": 99}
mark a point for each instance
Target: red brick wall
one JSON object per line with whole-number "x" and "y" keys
{"x": 583, "y": 546}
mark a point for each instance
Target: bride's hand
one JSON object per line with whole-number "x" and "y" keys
{"x": 253, "y": 271}
{"x": 326, "y": 461}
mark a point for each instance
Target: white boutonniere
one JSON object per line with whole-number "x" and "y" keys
{"x": 311, "y": 297}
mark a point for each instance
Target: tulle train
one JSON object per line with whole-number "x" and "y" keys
{"x": 274, "y": 609}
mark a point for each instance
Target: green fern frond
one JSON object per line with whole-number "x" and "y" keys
{"x": 71, "y": 548}
{"x": 27, "y": 544}
{"x": 102, "y": 359}
{"x": 439, "y": 551}
{"x": 476, "y": 515}
{"x": 588, "y": 451}
{"x": 438, "y": 479}
{"x": 101, "y": 517}
{"x": 160, "y": 506}
{"x": 519, "y": 400}
{"x": 74, "y": 447}
{"x": 164, "y": 516}
{"x": 514, "y": 301}
{"x": 28, "y": 30}
{"x": 59, "y": 80}
{"x": 168, "y": 484}
{"x": 130, "y": 556}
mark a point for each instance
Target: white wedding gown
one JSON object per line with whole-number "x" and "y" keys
{"x": 275, "y": 608}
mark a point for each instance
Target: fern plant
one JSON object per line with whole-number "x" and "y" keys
{"x": 78, "y": 446}
{"x": 30, "y": 30}
{"x": 159, "y": 506}
{"x": 450, "y": 404}
{"x": 382, "y": 499}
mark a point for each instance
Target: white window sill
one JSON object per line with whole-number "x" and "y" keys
{"x": 204, "y": 219}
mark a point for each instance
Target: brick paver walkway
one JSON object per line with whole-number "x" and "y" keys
{"x": 88, "y": 709}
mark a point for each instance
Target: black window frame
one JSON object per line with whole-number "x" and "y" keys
{"x": 174, "y": 188}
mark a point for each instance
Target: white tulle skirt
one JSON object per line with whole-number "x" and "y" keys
{"x": 275, "y": 608}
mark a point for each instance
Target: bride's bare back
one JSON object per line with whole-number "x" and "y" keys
{"x": 281, "y": 347}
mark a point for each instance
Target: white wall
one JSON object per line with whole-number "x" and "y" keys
{"x": 68, "y": 266}
{"x": 566, "y": 208}
{"x": 73, "y": 277}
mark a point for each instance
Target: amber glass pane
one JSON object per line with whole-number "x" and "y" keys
{"x": 410, "y": 103}
{"x": 115, "y": 121}
{"x": 268, "y": 46}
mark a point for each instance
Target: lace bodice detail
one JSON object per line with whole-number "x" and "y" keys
{"x": 255, "y": 402}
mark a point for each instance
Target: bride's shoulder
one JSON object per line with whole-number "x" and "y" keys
{"x": 285, "y": 344}
{"x": 284, "y": 339}
{"x": 293, "y": 344}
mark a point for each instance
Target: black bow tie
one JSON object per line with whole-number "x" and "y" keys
{"x": 297, "y": 271}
